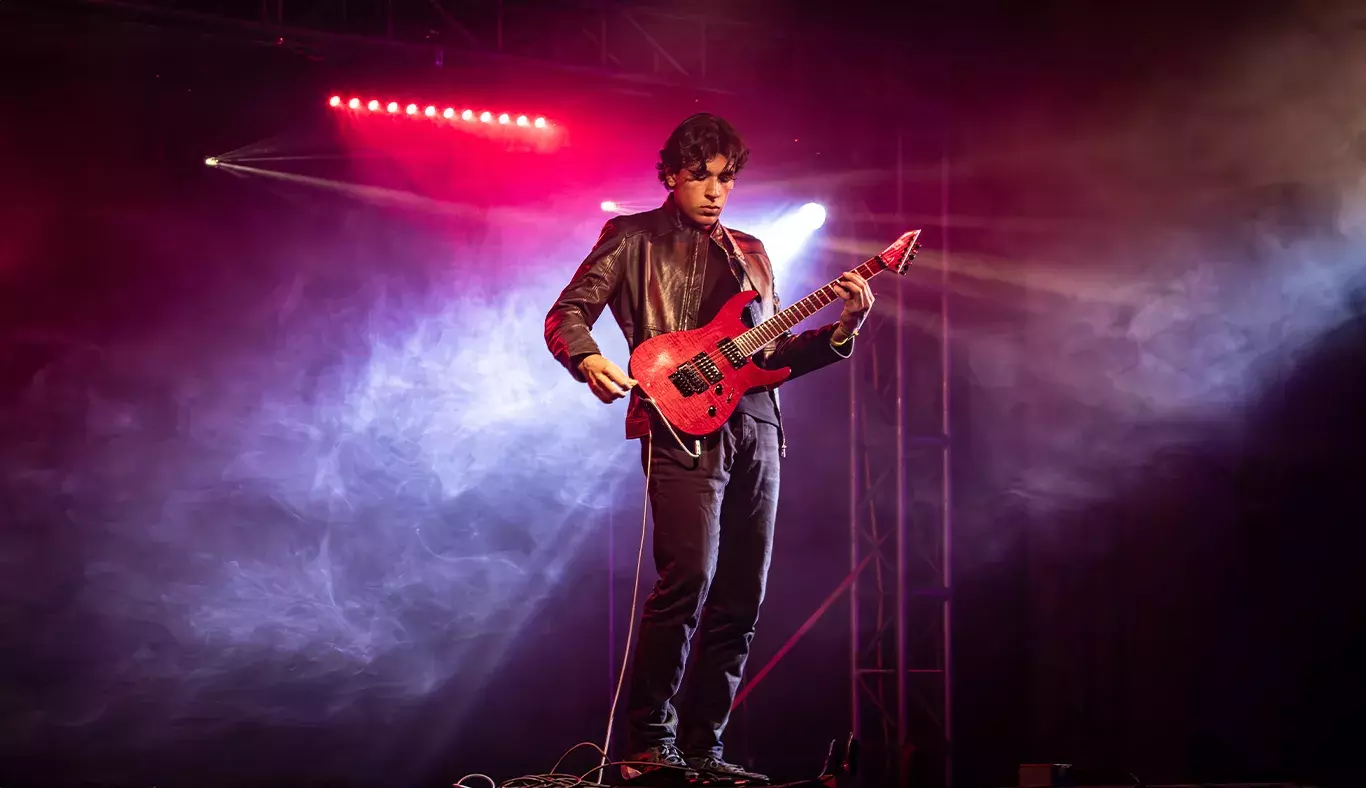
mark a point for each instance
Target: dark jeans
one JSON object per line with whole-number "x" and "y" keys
{"x": 713, "y": 537}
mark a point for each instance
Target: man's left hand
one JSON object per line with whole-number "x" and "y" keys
{"x": 858, "y": 299}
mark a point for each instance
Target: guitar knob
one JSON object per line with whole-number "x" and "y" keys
{"x": 719, "y": 390}
{"x": 711, "y": 410}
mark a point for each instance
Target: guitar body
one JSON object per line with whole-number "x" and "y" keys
{"x": 700, "y": 402}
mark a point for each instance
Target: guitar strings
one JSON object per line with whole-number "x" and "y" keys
{"x": 720, "y": 355}
{"x": 863, "y": 269}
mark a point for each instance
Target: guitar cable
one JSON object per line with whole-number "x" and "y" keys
{"x": 695, "y": 453}
{"x": 635, "y": 596}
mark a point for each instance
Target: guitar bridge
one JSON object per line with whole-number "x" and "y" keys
{"x": 687, "y": 381}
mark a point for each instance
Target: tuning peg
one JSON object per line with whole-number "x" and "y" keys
{"x": 915, "y": 246}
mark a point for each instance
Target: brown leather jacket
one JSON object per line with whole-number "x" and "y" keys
{"x": 649, "y": 268}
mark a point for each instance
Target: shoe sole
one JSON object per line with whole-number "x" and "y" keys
{"x": 686, "y": 772}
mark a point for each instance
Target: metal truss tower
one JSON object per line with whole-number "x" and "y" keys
{"x": 900, "y": 524}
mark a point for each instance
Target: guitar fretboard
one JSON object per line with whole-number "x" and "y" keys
{"x": 754, "y": 340}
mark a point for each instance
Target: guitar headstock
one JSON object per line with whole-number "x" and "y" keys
{"x": 898, "y": 256}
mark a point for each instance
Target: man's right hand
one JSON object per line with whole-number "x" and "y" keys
{"x": 606, "y": 379}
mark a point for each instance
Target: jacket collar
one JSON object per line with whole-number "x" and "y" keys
{"x": 719, "y": 234}
{"x": 675, "y": 214}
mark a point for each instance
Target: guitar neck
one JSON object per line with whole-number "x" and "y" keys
{"x": 755, "y": 339}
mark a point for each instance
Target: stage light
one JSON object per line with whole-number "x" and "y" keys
{"x": 449, "y": 113}
{"x": 812, "y": 215}
{"x": 785, "y": 236}
{"x": 609, "y": 206}
{"x": 212, "y": 161}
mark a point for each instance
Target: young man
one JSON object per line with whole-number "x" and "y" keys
{"x": 672, "y": 269}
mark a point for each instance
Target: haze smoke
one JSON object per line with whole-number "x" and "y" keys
{"x": 1215, "y": 234}
{"x": 354, "y": 472}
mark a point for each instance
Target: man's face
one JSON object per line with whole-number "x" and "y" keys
{"x": 701, "y": 193}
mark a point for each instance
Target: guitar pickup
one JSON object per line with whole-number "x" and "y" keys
{"x": 732, "y": 353}
{"x": 708, "y": 367}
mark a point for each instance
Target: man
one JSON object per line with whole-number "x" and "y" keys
{"x": 671, "y": 269}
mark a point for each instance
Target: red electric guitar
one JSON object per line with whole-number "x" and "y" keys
{"x": 695, "y": 379}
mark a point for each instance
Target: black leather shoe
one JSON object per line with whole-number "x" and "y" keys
{"x": 708, "y": 766}
{"x": 663, "y": 756}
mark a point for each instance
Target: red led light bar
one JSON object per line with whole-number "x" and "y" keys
{"x": 361, "y": 106}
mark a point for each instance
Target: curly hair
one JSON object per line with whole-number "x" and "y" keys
{"x": 697, "y": 141}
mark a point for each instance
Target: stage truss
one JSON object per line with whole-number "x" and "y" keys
{"x": 900, "y": 521}
{"x": 659, "y": 45}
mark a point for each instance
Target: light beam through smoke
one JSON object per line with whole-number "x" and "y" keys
{"x": 357, "y": 474}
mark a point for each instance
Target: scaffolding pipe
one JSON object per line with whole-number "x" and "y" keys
{"x": 854, "y": 678}
{"x": 899, "y": 656}
{"x": 261, "y": 26}
{"x": 946, "y": 510}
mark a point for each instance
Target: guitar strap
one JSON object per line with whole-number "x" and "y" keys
{"x": 736, "y": 258}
